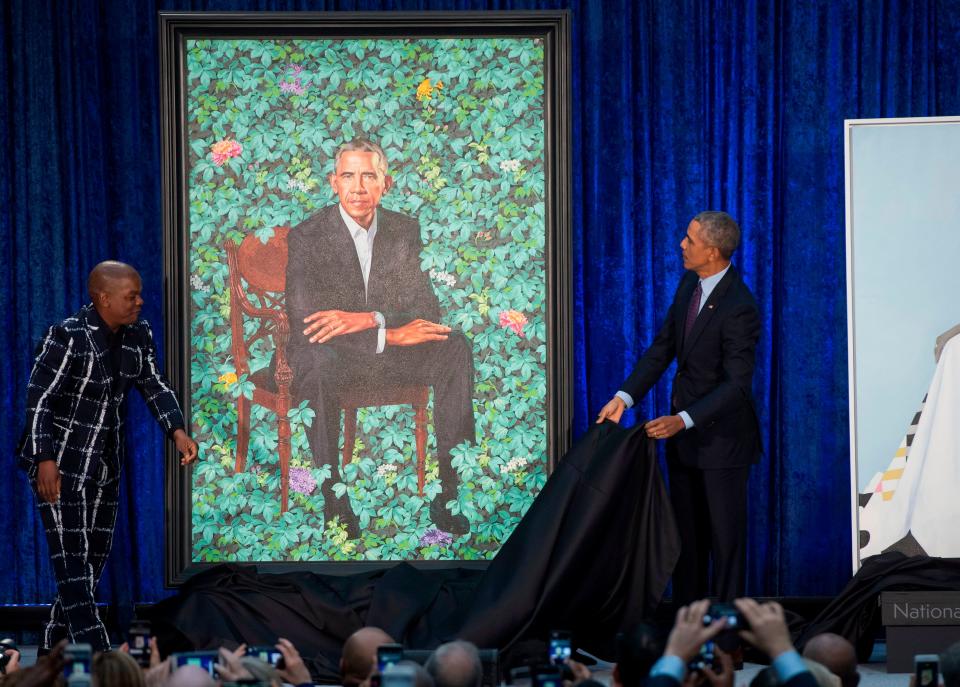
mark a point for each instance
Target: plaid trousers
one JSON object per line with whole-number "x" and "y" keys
{"x": 79, "y": 528}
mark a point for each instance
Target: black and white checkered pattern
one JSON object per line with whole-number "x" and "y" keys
{"x": 73, "y": 405}
{"x": 73, "y": 417}
{"x": 79, "y": 529}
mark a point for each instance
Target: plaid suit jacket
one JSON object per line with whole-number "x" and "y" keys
{"x": 73, "y": 402}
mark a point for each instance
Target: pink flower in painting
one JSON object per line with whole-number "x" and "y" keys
{"x": 513, "y": 319}
{"x": 296, "y": 69}
{"x": 292, "y": 87}
{"x": 221, "y": 151}
{"x": 438, "y": 537}
{"x": 302, "y": 481}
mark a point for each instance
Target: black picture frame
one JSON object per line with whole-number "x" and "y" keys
{"x": 553, "y": 27}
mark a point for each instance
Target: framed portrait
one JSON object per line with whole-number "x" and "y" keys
{"x": 367, "y": 269}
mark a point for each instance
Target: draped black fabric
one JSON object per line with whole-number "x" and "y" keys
{"x": 677, "y": 107}
{"x": 856, "y": 613}
{"x": 593, "y": 553}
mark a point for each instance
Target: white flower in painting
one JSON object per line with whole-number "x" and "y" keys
{"x": 386, "y": 469}
{"x": 196, "y": 283}
{"x": 443, "y": 278}
{"x": 510, "y": 165}
{"x": 298, "y": 185}
{"x": 515, "y": 464}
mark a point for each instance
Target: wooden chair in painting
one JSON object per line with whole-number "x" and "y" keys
{"x": 257, "y": 273}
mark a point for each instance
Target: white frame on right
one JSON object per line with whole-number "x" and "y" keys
{"x": 902, "y": 233}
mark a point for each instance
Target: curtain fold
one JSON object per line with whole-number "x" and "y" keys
{"x": 677, "y": 107}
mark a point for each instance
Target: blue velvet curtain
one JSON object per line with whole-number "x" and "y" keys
{"x": 679, "y": 106}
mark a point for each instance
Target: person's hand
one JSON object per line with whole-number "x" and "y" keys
{"x": 664, "y": 427}
{"x": 229, "y": 667}
{"x": 13, "y": 664}
{"x": 725, "y": 677}
{"x": 580, "y": 671}
{"x": 768, "y": 626}
{"x": 613, "y": 411}
{"x": 326, "y": 324}
{"x": 294, "y": 671}
{"x": 48, "y": 480}
{"x": 689, "y": 634}
{"x": 186, "y": 446}
{"x": 417, "y": 332}
{"x": 154, "y": 653}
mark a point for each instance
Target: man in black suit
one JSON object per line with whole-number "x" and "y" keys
{"x": 712, "y": 434}
{"x": 72, "y": 445}
{"x": 363, "y": 314}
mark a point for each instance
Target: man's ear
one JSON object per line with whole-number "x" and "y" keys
{"x": 332, "y": 180}
{"x": 387, "y": 183}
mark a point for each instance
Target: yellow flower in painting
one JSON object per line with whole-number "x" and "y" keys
{"x": 228, "y": 379}
{"x": 425, "y": 90}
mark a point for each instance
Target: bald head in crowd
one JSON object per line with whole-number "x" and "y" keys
{"x": 191, "y": 676}
{"x": 950, "y": 666}
{"x": 835, "y": 653}
{"x": 359, "y": 656}
{"x": 456, "y": 664}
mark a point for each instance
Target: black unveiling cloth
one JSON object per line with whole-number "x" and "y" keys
{"x": 594, "y": 552}
{"x": 855, "y": 613}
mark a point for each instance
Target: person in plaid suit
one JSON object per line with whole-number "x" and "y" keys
{"x": 72, "y": 446}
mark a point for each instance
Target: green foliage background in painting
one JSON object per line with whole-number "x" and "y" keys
{"x": 462, "y": 123}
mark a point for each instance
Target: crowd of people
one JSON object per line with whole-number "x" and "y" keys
{"x": 690, "y": 655}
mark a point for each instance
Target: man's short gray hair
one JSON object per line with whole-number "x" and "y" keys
{"x": 719, "y": 230}
{"x": 456, "y": 664}
{"x": 363, "y": 145}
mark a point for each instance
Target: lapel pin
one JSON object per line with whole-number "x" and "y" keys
{"x": 710, "y": 306}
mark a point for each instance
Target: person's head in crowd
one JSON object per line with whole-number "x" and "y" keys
{"x": 421, "y": 678}
{"x": 116, "y": 669}
{"x": 823, "y": 677}
{"x": 765, "y": 678}
{"x": 359, "y": 656}
{"x": 456, "y": 664}
{"x": 261, "y": 671}
{"x": 637, "y": 649}
{"x": 837, "y": 654}
{"x": 950, "y": 666}
{"x": 190, "y": 676}
{"x": 822, "y": 674}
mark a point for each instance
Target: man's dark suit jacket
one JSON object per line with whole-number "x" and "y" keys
{"x": 73, "y": 400}
{"x": 323, "y": 273}
{"x": 714, "y": 375}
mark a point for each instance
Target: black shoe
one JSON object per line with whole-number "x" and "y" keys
{"x": 444, "y": 519}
